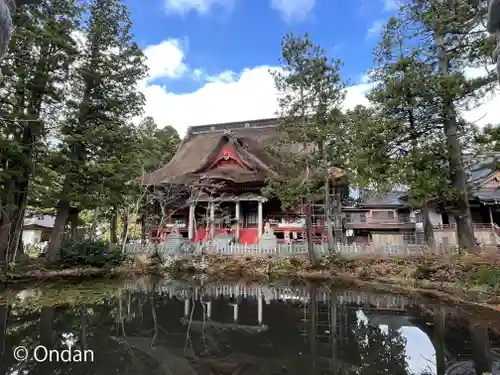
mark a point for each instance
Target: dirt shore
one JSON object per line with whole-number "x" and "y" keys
{"x": 31, "y": 274}
{"x": 465, "y": 278}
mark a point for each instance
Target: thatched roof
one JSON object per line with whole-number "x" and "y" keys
{"x": 202, "y": 145}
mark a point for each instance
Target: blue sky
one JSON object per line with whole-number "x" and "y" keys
{"x": 209, "y": 60}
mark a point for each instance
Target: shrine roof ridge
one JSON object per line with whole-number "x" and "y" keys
{"x": 220, "y": 127}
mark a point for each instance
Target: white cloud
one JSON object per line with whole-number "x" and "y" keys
{"x": 165, "y": 60}
{"x": 248, "y": 95}
{"x": 390, "y": 5}
{"x": 376, "y": 28}
{"x": 486, "y": 110}
{"x": 202, "y": 7}
{"x": 293, "y": 10}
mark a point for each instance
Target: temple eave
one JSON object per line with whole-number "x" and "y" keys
{"x": 245, "y": 197}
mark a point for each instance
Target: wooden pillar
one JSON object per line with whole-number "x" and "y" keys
{"x": 235, "y": 312}
{"x": 237, "y": 215}
{"x": 260, "y": 219}
{"x": 492, "y": 226}
{"x": 209, "y": 310}
{"x": 212, "y": 220}
{"x": 259, "y": 306}
{"x": 191, "y": 223}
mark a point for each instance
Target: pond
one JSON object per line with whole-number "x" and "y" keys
{"x": 159, "y": 326}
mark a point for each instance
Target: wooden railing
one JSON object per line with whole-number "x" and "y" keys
{"x": 480, "y": 226}
{"x": 284, "y": 293}
{"x": 280, "y": 250}
{"x": 361, "y": 219}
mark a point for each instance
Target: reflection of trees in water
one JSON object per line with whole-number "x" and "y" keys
{"x": 138, "y": 333}
{"x": 380, "y": 352}
{"x": 358, "y": 348}
{"x": 4, "y": 311}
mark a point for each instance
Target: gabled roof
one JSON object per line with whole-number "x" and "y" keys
{"x": 36, "y": 222}
{"x": 203, "y": 144}
{"x": 482, "y": 171}
{"x": 482, "y": 174}
{"x": 370, "y": 198}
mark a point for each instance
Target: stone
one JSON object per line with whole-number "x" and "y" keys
{"x": 171, "y": 246}
{"x": 268, "y": 240}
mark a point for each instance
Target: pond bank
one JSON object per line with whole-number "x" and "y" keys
{"x": 467, "y": 278}
{"x": 27, "y": 274}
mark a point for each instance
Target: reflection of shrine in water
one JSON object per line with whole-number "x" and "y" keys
{"x": 321, "y": 331}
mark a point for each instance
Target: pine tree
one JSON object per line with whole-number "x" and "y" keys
{"x": 311, "y": 127}
{"x": 440, "y": 39}
{"x": 413, "y": 148}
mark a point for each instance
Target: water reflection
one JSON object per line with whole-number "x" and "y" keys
{"x": 169, "y": 327}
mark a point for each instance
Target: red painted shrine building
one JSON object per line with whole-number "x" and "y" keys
{"x": 211, "y": 189}
{"x": 219, "y": 171}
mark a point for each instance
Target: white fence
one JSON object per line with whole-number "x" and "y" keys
{"x": 284, "y": 293}
{"x": 280, "y": 250}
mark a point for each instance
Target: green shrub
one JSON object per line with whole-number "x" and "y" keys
{"x": 90, "y": 253}
{"x": 485, "y": 275}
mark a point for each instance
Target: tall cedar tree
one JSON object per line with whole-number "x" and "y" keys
{"x": 37, "y": 65}
{"x": 447, "y": 36}
{"x": 311, "y": 126}
{"x": 154, "y": 148}
{"x": 104, "y": 102}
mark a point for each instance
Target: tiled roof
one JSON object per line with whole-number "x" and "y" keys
{"x": 483, "y": 169}
{"x": 371, "y": 198}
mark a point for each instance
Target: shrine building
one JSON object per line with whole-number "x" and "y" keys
{"x": 219, "y": 171}
{"x": 211, "y": 189}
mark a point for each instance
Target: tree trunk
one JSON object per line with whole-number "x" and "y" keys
{"x": 309, "y": 234}
{"x": 15, "y": 243}
{"x": 46, "y": 321}
{"x": 313, "y": 328}
{"x": 333, "y": 334}
{"x": 481, "y": 352}
{"x": 124, "y": 234}
{"x": 4, "y": 314}
{"x": 428, "y": 229}
{"x": 113, "y": 224}
{"x": 143, "y": 228}
{"x": 93, "y": 226}
{"x": 57, "y": 236}
{"x": 439, "y": 332}
{"x": 337, "y": 212}
{"x": 83, "y": 330}
{"x": 328, "y": 216}
{"x": 46, "y": 336}
{"x": 12, "y": 219}
{"x": 74, "y": 221}
{"x": 458, "y": 177}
